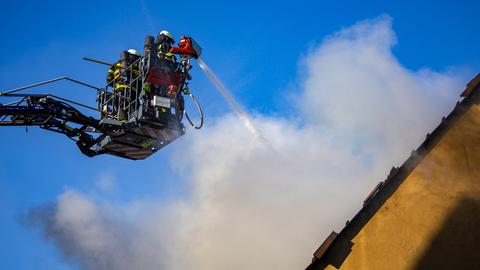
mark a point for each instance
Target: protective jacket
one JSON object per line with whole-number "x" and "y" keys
{"x": 164, "y": 52}
{"x": 118, "y": 79}
{"x": 114, "y": 75}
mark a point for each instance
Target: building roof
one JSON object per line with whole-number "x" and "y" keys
{"x": 335, "y": 249}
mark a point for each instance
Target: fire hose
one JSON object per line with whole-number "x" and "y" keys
{"x": 199, "y": 110}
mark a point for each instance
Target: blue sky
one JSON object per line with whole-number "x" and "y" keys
{"x": 254, "y": 47}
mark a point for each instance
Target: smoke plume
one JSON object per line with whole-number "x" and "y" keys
{"x": 360, "y": 112}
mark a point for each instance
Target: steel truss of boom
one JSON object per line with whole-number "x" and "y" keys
{"x": 56, "y": 114}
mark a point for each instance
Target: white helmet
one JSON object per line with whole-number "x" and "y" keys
{"x": 132, "y": 51}
{"x": 166, "y": 33}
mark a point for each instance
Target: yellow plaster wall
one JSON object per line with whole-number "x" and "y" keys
{"x": 432, "y": 221}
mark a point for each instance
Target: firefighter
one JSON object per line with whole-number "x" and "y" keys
{"x": 164, "y": 45}
{"x": 133, "y": 74}
{"x": 114, "y": 75}
{"x": 120, "y": 77}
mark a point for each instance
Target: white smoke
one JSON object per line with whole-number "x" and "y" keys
{"x": 360, "y": 112}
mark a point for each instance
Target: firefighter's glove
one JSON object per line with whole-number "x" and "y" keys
{"x": 186, "y": 91}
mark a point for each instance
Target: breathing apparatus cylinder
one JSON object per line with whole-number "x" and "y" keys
{"x": 149, "y": 44}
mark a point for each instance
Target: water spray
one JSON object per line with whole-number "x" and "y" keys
{"x": 230, "y": 99}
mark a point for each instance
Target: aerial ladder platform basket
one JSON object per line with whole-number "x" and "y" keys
{"x": 135, "y": 120}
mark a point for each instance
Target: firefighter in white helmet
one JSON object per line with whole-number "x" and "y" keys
{"x": 133, "y": 52}
{"x": 124, "y": 79}
{"x": 167, "y": 34}
{"x": 164, "y": 45}
{"x": 115, "y": 71}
